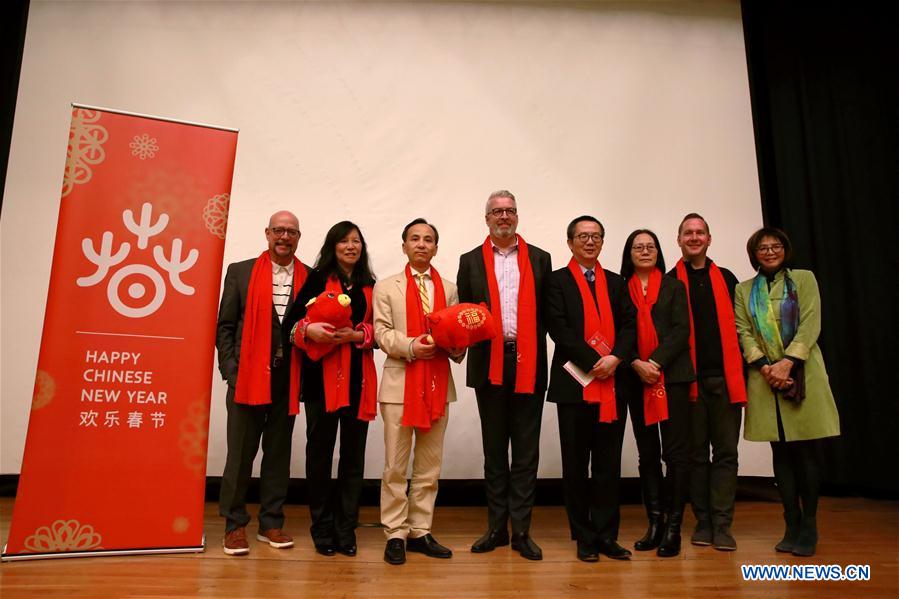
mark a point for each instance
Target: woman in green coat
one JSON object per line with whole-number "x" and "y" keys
{"x": 778, "y": 316}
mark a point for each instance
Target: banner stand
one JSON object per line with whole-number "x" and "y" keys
{"x": 19, "y": 557}
{"x": 118, "y": 432}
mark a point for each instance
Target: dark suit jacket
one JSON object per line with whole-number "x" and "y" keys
{"x": 230, "y": 322}
{"x": 564, "y": 318}
{"x": 472, "y": 283}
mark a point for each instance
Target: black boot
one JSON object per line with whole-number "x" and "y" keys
{"x": 807, "y": 541}
{"x": 788, "y": 489}
{"x": 792, "y": 518}
{"x": 654, "y": 533}
{"x": 651, "y": 487}
{"x": 670, "y": 545}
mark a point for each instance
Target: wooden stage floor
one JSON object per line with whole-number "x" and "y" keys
{"x": 854, "y": 531}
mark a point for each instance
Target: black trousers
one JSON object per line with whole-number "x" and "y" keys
{"x": 715, "y": 422}
{"x": 591, "y": 470}
{"x": 334, "y": 504}
{"x": 246, "y": 426}
{"x": 672, "y": 492}
{"x": 510, "y": 419}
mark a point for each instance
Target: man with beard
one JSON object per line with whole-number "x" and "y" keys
{"x": 508, "y": 373}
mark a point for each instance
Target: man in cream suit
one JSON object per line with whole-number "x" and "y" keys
{"x": 420, "y": 411}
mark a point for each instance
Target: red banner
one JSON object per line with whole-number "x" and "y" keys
{"x": 115, "y": 457}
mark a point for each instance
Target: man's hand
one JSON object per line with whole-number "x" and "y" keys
{"x": 605, "y": 367}
{"x": 421, "y": 349}
{"x": 648, "y": 372}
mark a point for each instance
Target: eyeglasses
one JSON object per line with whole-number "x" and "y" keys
{"x": 774, "y": 248}
{"x": 643, "y": 247}
{"x": 282, "y": 231}
{"x": 498, "y": 212}
{"x": 584, "y": 237}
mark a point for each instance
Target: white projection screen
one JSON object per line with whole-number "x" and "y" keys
{"x": 634, "y": 112}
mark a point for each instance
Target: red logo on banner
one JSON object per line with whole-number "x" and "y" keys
{"x": 115, "y": 457}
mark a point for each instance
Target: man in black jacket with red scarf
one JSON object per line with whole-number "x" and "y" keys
{"x": 591, "y": 319}
{"x": 508, "y": 373}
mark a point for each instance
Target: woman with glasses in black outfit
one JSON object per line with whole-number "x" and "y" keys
{"x": 657, "y": 388}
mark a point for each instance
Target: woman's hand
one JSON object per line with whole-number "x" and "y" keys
{"x": 320, "y": 332}
{"x": 647, "y": 371}
{"x": 348, "y": 335}
{"x": 777, "y": 375}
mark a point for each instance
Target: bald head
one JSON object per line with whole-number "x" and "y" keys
{"x": 282, "y": 216}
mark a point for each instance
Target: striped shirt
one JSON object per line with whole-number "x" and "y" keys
{"x": 282, "y": 287}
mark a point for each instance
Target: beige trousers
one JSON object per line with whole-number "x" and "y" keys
{"x": 409, "y": 515}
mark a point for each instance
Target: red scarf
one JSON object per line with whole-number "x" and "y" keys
{"x": 336, "y": 368}
{"x": 730, "y": 346}
{"x": 526, "y": 372}
{"x": 655, "y": 399}
{"x": 254, "y": 375}
{"x": 424, "y": 397}
{"x": 597, "y": 321}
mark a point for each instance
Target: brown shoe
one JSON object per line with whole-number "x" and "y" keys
{"x": 235, "y": 542}
{"x": 276, "y": 538}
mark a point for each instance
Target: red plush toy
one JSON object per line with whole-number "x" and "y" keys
{"x": 331, "y": 309}
{"x": 461, "y": 326}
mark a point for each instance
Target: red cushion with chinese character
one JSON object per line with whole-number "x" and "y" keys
{"x": 461, "y": 326}
{"x": 332, "y": 309}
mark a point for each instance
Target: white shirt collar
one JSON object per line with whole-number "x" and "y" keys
{"x": 276, "y": 268}
{"x": 507, "y": 251}
{"x": 426, "y": 273}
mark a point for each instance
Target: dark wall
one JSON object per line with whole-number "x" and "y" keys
{"x": 13, "y": 18}
{"x": 824, "y": 99}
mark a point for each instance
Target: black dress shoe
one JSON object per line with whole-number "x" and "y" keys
{"x": 587, "y": 552}
{"x": 525, "y": 545}
{"x": 612, "y": 549}
{"x": 395, "y": 552}
{"x": 347, "y": 550}
{"x": 429, "y": 546}
{"x": 490, "y": 541}
{"x": 325, "y": 549}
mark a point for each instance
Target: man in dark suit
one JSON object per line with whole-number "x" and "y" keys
{"x": 255, "y": 359}
{"x": 508, "y": 373}
{"x": 580, "y": 301}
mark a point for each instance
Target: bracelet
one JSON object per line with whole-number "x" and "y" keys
{"x": 411, "y": 353}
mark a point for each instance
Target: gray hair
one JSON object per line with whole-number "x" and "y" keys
{"x": 502, "y": 193}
